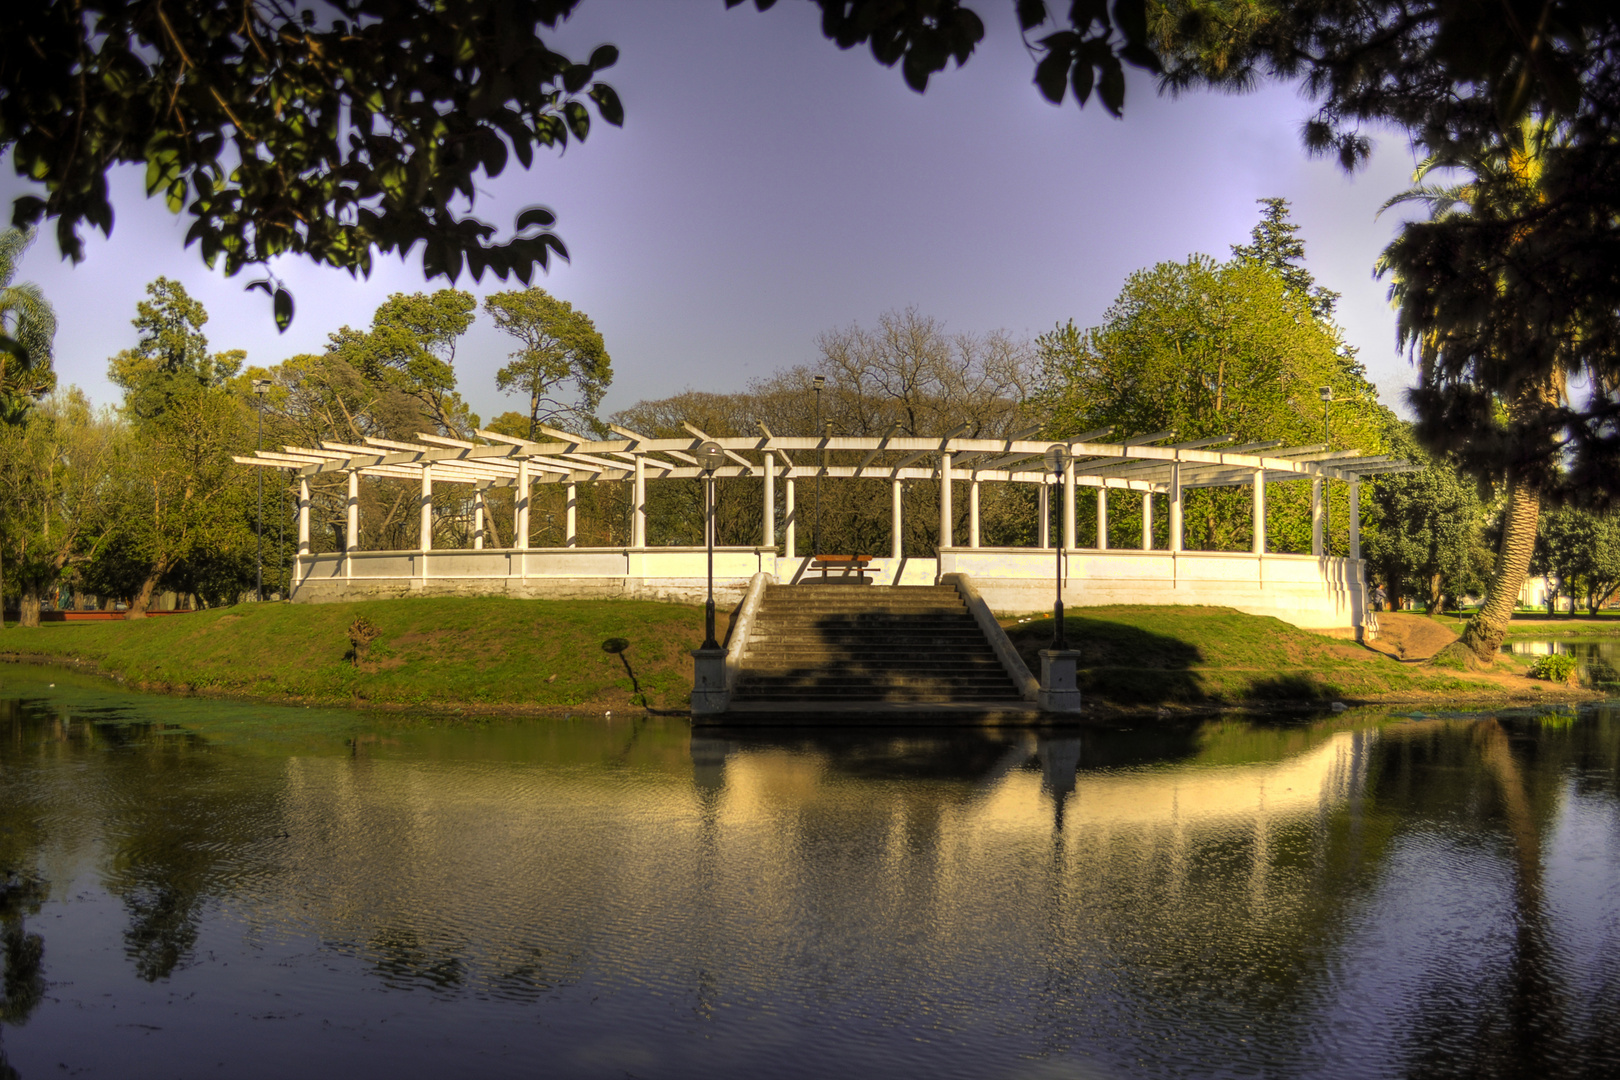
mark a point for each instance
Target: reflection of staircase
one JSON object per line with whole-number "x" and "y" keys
{"x": 815, "y": 646}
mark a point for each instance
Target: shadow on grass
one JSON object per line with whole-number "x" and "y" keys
{"x": 1123, "y": 664}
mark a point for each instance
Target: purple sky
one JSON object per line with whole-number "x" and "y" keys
{"x": 767, "y": 186}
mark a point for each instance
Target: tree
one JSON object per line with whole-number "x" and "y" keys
{"x": 560, "y": 347}
{"x": 1425, "y": 528}
{"x": 1204, "y": 350}
{"x": 330, "y": 132}
{"x": 181, "y": 497}
{"x": 1493, "y": 375}
{"x": 171, "y": 361}
{"x": 54, "y": 470}
{"x": 27, "y": 333}
{"x": 1578, "y": 551}
{"x": 411, "y": 349}
{"x": 1272, "y": 244}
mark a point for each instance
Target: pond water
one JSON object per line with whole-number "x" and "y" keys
{"x": 1597, "y": 659}
{"x": 196, "y": 889}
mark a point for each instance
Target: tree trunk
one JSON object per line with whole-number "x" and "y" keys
{"x": 1392, "y": 591}
{"x": 1484, "y": 633}
{"x": 28, "y": 614}
{"x": 143, "y": 599}
{"x": 1436, "y": 597}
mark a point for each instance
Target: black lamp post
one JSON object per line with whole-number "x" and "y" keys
{"x": 1057, "y": 459}
{"x": 710, "y": 456}
{"x": 261, "y": 387}
{"x": 1326, "y": 394}
{"x": 815, "y": 539}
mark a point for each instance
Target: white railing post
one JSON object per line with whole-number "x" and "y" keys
{"x": 790, "y": 521}
{"x": 768, "y": 515}
{"x": 1317, "y": 547}
{"x": 303, "y": 515}
{"x": 1175, "y": 506}
{"x": 1355, "y": 516}
{"x": 1068, "y": 506}
{"x": 638, "y": 522}
{"x": 973, "y": 513}
{"x": 426, "y": 507}
{"x": 1259, "y": 545}
{"x": 1043, "y": 510}
{"x": 896, "y": 520}
{"x": 352, "y": 534}
{"x": 571, "y": 517}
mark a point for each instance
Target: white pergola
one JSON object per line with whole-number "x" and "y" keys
{"x": 1139, "y": 465}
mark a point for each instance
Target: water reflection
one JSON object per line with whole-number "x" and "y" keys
{"x": 1353, "y": 898}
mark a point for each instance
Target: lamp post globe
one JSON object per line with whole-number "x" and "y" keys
{"x": 1057, "y": 459}
{"x": 710, "y": 456}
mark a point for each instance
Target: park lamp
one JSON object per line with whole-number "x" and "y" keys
{"x": 1326, "y": 394}
{"x": 1057, "y": 460}
{"x": 710, "y": 456}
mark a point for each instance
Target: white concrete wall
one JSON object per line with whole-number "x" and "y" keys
{"x": 1313, "y": 592}
{"x": 1316, "y": 593}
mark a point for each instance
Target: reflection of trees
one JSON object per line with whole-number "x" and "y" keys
{"x": 1519, "y": 1018}
{"x": 22, "y": 890}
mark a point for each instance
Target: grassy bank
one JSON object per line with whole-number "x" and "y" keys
{"x": 547, "y": 656}
{"x": 1137, "y": 656}
{"x": 541, "y": 656}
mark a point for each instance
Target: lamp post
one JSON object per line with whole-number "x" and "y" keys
{"x": 815, "y": 538}
{"x": 1057, "y": 459}
{"x": 1326, "y": 394}
{"x": 710, "y": 456}
{"x": 261, "y": 387}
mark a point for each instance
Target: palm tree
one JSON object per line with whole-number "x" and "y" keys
{"x": 27, "y": 330}
{"x": 1462, "y": 319}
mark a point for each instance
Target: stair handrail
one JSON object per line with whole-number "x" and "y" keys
{"x": 743, "y": 626}
{"x": 1029, "y": 687}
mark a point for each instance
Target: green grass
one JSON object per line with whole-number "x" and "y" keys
{"x": 477, "y": 652}
{"x": 1138, "y": 655}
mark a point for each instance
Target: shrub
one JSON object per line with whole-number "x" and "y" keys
{"x": 1557, "y": 667}
{"x": 362, "y": 632}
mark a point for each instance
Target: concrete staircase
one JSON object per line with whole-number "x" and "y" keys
{"x": 840, "y": 648}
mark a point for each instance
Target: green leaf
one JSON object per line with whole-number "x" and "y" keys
{"x": 283, "y": 304}
{"x": 1051, "y": 74}
{"x": 535, "y": 215}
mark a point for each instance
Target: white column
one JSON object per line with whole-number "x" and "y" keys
{"x": 1068, "y": 507}
{"x": 1147, "y": 521}
{"x": 896, "y": 520}
{"x": 1355, "y": 517}
{"x": 790, "y": 522}
{"x": 478, "y": 518}
{"x": 1316, "y": 516}
{"x": 351, "y": 538}
{"x": 303, "y": 515}
{"x": 638, "y": 520}
{"x": 1259, "y": 511}
{"x": 768, "y": 532}
{"x": 1102, "y": 519}
{"x": 1043, "y": 510}
{"x": 973, "y": 513}
{"x": 945, "y": 512}
{"x": 571, "y": 518}
{"x": 353, "y": 535}
{"x": 426, "y": 506}
{"x": 521, "y": 501}
{"x": 1175, "y": 506}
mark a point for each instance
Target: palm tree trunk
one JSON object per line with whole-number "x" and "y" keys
{"x": 1485, "y": 631}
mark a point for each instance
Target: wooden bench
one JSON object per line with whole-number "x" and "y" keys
{"x": 846, "y": 563}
